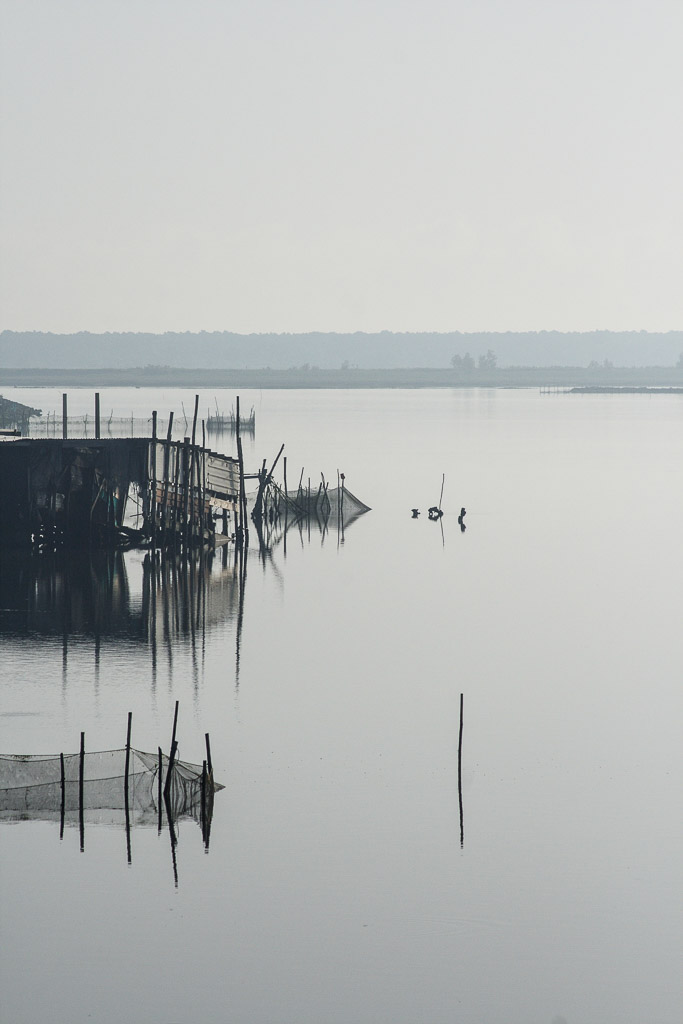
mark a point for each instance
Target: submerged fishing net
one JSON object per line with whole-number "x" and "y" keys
{"x": 332, "y": 502}
{"x": 36, "y": 786}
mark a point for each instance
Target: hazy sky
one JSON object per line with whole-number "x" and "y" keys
{"x": 296, "y": 165}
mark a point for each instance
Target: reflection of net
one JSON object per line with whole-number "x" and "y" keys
{"x": 31, "y": 785}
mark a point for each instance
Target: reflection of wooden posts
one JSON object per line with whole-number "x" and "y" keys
{"x": 63, "y": 805}
{"x": 97, "y": 415}
{"x": 462, "y": 834}
{"x": 203, "y": 806}
{"x": 160, "y": 794}
{"x": 81, "y": 780}
{"x": 174, "y": 841}
{"x": 64, "y": 418}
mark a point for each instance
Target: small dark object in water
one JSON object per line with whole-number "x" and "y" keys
{"x": 461, "y": 519}
{"x": 435, "y": 513}
{"x": 415, "y": 512}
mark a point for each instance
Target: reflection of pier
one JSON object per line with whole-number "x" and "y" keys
{"x": 93, "y": 593}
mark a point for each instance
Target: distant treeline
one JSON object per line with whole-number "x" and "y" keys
{"x": 386, "y": 350}
{"x": 549, "y": 377}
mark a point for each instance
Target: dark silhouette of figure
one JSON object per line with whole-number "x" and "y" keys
{"x": 461, "y": 519}
{"x": 435, "y": 513}
{"x": 415, "y": 512}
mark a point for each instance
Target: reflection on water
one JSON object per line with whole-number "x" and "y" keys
{"x": 161, "y": 602}
{"x": 118, "y": 788}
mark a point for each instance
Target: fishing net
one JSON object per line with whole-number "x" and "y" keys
{"x": 330, "y": 502}
{"x": 48, "y": 786}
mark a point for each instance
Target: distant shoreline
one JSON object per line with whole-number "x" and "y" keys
{"x": 561, "y": 378}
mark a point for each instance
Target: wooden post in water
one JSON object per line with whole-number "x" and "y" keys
{"x": 175, "y": 722}
{"x": 64, "y": 418}
{"x": 167, "y": 476}
{"x": 127, "y": 768}
{"x": 174, "y": 747}
{"x": 97, "y": 415}
{"x": 63, "y": 807}
{"x": 81, "y": 780}
{"x": 186, "y": 489}
{"x": 462, "y": 833}
{"x": 194, "y": 420}
{"x": 208, "y": 754}
{"x": 169, "y": 770}
{"x": 154, "y": 480}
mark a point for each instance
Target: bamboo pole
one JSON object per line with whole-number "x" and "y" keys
{"x": 65, "y": 429}
{"x": 97, "y": 415}
{"x": 186, "y": 488}
{"x": 462, "y": 833}
{"x": 175, "y": 722}
{"x": 81, "y": 781}
{"x": 154, "y": 480}
{"x": 194, "y": 420}
{"x": 63, "y": 805}
{"x": 208, "y": 754}
{"x": 127, "y": 768}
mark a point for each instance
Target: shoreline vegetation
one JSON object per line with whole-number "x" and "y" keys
{"x": 577, "y": 379}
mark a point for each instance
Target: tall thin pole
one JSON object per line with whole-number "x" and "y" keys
{"x": 194, "y": 419}
{"x": 97, "y": 415}
{"x": 462, "y": 833}
{"x": 64, "y": 417}
{"x": 154, "y": 480}
{"x": 175, "y": 722}
{"x": 81, "y": 780}
{"x": 127, "y": 768}
{"x": 63, "y": 807}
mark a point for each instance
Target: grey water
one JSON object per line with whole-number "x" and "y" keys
{"x": 336, "y": 887}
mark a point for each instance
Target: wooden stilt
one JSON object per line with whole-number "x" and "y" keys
{"x": 81, "y": 781}
{"x": 63, "y": 805}
{"x": 462, "y": 833}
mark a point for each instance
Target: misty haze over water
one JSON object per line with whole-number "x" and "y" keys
{"x": 336, "y": 886}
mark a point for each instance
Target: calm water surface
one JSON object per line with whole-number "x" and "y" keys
{"x": 336, "y": 888}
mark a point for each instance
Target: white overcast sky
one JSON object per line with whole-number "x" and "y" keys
{"x": 296, "y": 165}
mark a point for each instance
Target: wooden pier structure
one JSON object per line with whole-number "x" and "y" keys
{"x": 136, "y": 491}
